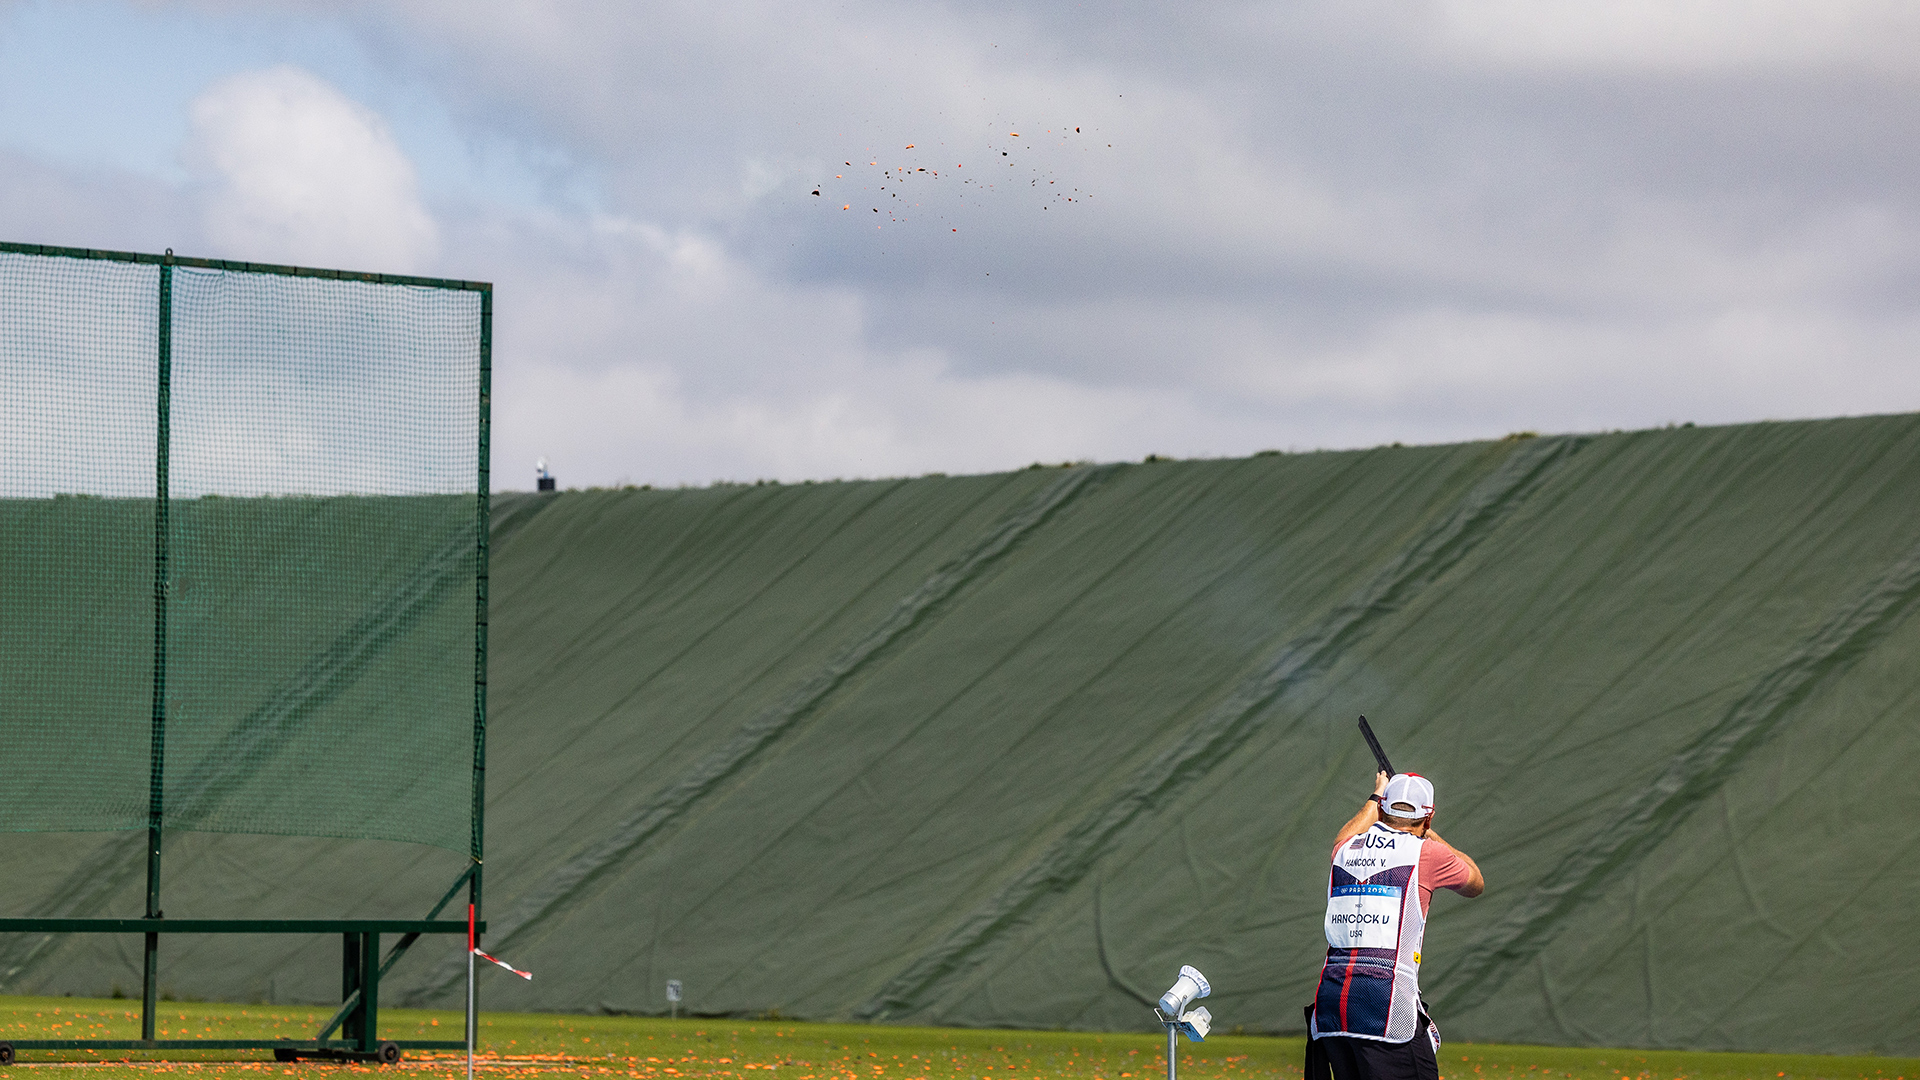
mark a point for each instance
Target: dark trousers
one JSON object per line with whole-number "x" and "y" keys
{"x": 1369, "y": 1059}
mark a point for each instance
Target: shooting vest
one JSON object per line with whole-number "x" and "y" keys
{"x": 1370, "y": 986}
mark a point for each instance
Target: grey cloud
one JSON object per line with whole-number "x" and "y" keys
{"x": 44, "y": 203}
{"x": 1332, "y": 198}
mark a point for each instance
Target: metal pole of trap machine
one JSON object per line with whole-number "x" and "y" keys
{"x": 1173, "y": 1039}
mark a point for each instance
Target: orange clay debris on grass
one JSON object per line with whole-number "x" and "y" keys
{"x": 655, "y": 1048}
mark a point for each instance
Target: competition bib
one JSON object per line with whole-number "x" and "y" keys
{"x": 1370, "y": 986}
{"x": 1363, "y": 916}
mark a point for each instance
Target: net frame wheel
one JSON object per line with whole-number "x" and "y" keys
{"x": 6, "y": 1053}
{"x": 281, "y": 1053}
{"x": 388, "y": 1053}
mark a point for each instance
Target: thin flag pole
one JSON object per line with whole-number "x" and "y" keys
{"x": 472, "y": 1018}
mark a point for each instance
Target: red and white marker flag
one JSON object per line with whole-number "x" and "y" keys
{"x": 474, "y": 948}
{"x": 528, "y": 975}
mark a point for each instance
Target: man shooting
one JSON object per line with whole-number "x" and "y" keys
{"x": 1367, "y": 1021}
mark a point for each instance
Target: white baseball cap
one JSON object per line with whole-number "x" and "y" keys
{"x": 1408, "y": 795}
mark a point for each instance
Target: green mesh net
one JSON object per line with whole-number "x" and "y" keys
{"x": 77, "y": 431}
{"x": 320, "y": 551}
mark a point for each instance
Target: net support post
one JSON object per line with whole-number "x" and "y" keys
{"x": 369, "y": 994}
{"x": 350, "y": 986}
{"x": 157, "y": 745}
{"x": 483, "y": 527}
{"x": 360, "y": 990}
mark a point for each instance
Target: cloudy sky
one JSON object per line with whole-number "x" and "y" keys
{"x": 1184, "y": 229}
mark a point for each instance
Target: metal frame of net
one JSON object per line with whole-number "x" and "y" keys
{"x": 243, "y": 508}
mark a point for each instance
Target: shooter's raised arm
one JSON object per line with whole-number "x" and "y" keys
{"x": 1475, "y": 884}
{"x": 1368, "y": 813}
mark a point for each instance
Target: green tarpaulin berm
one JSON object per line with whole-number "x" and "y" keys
{"x": 1008, "y": 750}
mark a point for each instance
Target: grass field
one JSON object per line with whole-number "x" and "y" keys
{"x": 612, "y": 1046}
